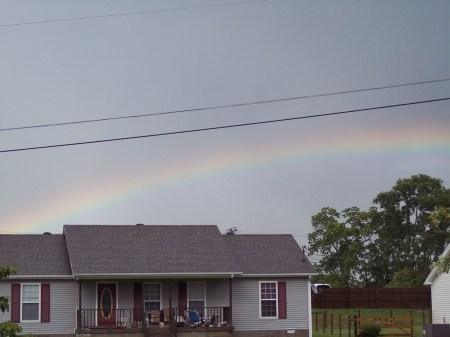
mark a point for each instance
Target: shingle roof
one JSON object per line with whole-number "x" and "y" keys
{"x": 269, "y": 254}
{"x": 44, "y": 254}
{"x": 106, "y": 249}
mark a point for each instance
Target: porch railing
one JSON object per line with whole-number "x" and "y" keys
{"x": 133, "y": 318}
{"x": 87, "y": 318}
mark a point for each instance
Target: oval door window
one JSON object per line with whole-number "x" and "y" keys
{"x": 106, "y": 303}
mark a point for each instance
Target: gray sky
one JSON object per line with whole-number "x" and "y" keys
{"x": 261, "y": 179}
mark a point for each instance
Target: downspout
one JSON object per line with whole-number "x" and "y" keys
{"x": 231, "y": 300}
{"x": 309, "y": 308}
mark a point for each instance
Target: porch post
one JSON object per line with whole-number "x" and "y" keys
{"x": 79, "y": 305}
{"x": 170, "y": 296}
{"x": 231, "y": 299}
{"x": 144, "y": 323}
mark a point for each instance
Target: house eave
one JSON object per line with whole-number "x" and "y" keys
{"x": 53, "y": 277}
{"x": 429, "y": 280}
{"x": 280, "y": 275}
{"x": 156, "y": 275}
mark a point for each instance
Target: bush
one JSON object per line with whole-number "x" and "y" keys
{"x": 370, "y": 330}
{"x": 8, "y": 329}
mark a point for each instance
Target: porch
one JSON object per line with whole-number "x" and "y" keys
{"x": 168, "y": 322}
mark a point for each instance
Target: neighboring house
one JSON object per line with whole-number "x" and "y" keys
{"x": 440, "y": 290}
{"x": 126, "y": 279}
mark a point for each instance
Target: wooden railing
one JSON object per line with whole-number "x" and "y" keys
{"x": 112, "y": 318}
{"x": 133, "y": 318}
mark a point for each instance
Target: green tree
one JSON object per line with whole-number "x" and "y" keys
{"x": 405, "y": 278}
{"x": 5, "y": 272}
{"x": 441, "y": 218}
{"x": 369, "y": 248}
{"x": 344, "y": 245}
{"x": 406, "y": 238}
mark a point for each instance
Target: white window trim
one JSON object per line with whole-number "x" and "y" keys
{"x": 260, "y": 300}
{"x": 160, "y": 294}
{"x": 204, "y": 292}
{"x": 21, "y": 303}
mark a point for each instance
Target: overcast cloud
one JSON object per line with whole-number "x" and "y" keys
{"x": 261, "y": 179}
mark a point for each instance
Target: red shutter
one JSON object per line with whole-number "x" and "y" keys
{"x": 182, "y": 298}
{"x": 15, "y": 303}
{"x": 282, "y": 311}
{"x": 138, "y": 299}
{"x": 45, "y": 303}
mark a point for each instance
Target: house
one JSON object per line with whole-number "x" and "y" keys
{"x": 440, "y": 290}
{"x": 157, "y": 280}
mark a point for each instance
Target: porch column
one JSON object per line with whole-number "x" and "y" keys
{"x": 79, "y": 305}
{"x": 170, "y": 296}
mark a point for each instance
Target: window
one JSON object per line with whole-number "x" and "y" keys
{"x": 30, "y": 302}
{"x": 268, "y": 298}
{"x": 196, "y": 295}
{"x": 152, "y": 296}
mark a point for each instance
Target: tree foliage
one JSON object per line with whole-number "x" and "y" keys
{"x": 5, "y": 272}
{"x": 441, "y": 217}
{"x": 368, "y": 248}
{"x": 8, "y": 329}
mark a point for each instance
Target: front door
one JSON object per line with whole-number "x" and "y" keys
{"x": 106, "y": 299}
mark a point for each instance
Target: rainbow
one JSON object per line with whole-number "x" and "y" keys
{"x": 429, "y": 143}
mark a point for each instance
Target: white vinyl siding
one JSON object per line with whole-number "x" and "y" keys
{"x": 63, "y": 305}
{"x": 246, "y": 305}
{"x": 440, "y": 299}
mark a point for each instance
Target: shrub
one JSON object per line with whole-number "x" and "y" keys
{"x": 8, "y": 329}
{"x": 370, "y": 330}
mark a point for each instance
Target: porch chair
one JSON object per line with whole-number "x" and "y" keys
{"x": 155, "y": 316}
{"x": 166, "y": 315}
{"x": 192, "y": 318}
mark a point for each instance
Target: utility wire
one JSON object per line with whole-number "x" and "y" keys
{"x": 223, "y": 127}
{"x": 221, "y": 106}
{"x": 129, "y": 13}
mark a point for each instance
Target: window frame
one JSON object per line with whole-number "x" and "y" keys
{"x": 196, "y": 300}
{"x": 22, "y": 303}
{"x": 261, "y": 299}
{"x": 152, "y": 301}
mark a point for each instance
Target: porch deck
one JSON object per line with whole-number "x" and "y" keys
{"x": 124, "y": 321}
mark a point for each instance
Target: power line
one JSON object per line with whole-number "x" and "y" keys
{"x": 129, "y": 13}
{"x": 222, "y": 106}
{"x": 223, "y": 127}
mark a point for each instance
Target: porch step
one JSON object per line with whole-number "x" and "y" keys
{"x": 158, "y": 332}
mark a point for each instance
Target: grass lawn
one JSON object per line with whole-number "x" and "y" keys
{"x": 419, "y": 317}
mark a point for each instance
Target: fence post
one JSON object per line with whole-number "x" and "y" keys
{"x": 349, "y": 335}
{"x": 332, "y": 321}
{"x": 340, "y": 326}
{"x": 355, "y": 325}
{"x": 317, "y": 322}
{"x": 411, "y": 322}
